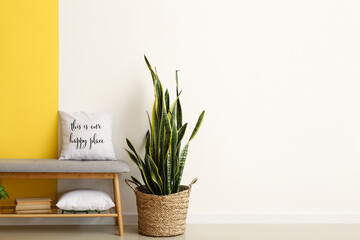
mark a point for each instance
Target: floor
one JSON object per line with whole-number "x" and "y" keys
{"x": 196, "y": 232}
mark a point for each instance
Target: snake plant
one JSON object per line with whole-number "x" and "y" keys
{"x": 163, "y": 163}
{"x": 3, "y": 193}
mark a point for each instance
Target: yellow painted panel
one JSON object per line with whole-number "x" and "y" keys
{"x": 28, "y": 88}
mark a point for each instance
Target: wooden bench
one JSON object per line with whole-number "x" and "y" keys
{"x": 56, "y": 169}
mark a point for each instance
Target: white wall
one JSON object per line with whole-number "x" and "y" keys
{"x": 279, "y": 81}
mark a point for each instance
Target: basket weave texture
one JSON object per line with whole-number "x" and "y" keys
{"x": 162, "y": 216}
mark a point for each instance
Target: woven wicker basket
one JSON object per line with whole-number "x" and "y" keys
{"x": 162, "y": 216}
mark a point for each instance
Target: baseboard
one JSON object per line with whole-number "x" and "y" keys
{"x": 205, "y": 218}
{"x": 274, "y": 218}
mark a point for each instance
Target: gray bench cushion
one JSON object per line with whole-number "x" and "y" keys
{"x": 55, "y": 165}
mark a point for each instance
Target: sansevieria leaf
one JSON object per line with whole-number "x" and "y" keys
{"x": 159, "y": 97}
{"x": 167, "y": 162}
{"x": 137, "y": 182}
{"x": 173, "y": 105}
{"x": 149, "y": 180}
{"x": 132, "y": 157}
{"x": 153, "y": 74}
{"x": 132, "y": 147}
{"x": 198, "y": 124}
{"x": 178, "y": 105}
{"x": 156, "y": 125}
{"x": 147, "y": 143}
{"x": 182, "y": 161}
{"x": 152, "y": 139}
{"x": 168, "y": 174}
{"x": 167, "y": 100}
{"x": 178, "y": 114}
{"x": 154, "y": 172}
{"x": 173, "y": 145}
{"x": 181, "y": 132}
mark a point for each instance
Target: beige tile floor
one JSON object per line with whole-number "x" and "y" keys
{"x": 193, "y": 232}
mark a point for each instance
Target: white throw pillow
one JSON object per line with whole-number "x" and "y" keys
{"x": 86, "y": 136}
{"x": 85, "y": 199}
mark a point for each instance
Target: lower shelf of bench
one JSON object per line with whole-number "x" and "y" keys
{"x": 53, "y": 215}
{"x": 58, "y": 215}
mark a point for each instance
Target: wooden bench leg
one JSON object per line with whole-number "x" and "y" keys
{"x": 118, "y": 204}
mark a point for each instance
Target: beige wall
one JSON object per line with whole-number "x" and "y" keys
{"x": 279, "y": 81}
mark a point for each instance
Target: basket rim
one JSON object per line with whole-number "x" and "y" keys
{"x": 186, "y": 188}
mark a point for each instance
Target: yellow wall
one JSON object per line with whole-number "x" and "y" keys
{"x": 28, "y": 88}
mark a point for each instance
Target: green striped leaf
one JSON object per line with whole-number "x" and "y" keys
{"x": 162, "y": 160}
{"x": 167, "y": 124}
{"x": 167, "y": 100}
{"x": 153, "y": 74}
{"x": 147, "y": 143}
{"x": 132, "y": 157}
{"x": 156, "y": 125}
{"x": 173, "y": 105}
{"x": 169, "y": 169}
{"x": 182, "y": 161}
{"x": 144, "y": 179}
{"x": 166, "y": 149}
{"x": 154, "y": 173}
{"x": 132, "y": 148}
{"x": 149, "y": 181}
{"x": 198, "y": 124}
{"x": 152, "y": 139}
{"x": 178, "y": 105}
{"x": 141, "y": 165}
{"x": 178, "y": 114}
{"x": 181, "y": 133}
{"x": 159, "y": 98}
{"x": 177, "y": 82}
{"x": 137, "y": 182}
{"x": 173, "y": 147}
